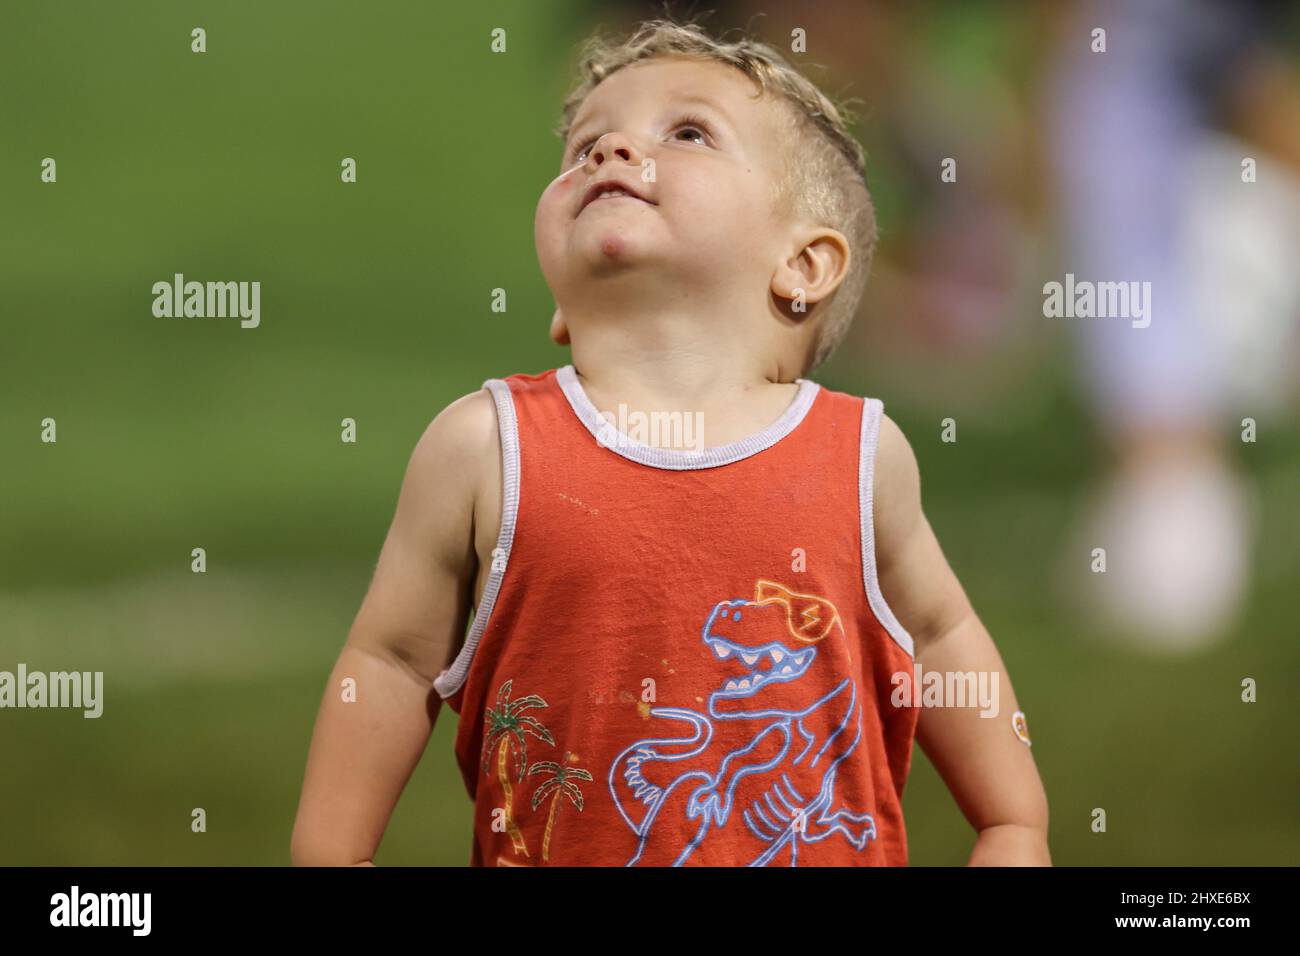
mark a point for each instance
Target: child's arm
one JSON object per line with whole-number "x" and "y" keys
{"x": 987, "y": 768}
{"x": 408, "y": 628}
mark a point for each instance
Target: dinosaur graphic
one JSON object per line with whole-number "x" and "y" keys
{"x": 762, "y": 763}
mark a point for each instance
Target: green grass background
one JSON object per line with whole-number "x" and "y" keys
{"x": 174, "y": 434}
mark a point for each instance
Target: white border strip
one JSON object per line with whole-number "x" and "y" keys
{"x": 674, "y": 459}
{"x": 450, "y": 680}
{"x": 872, "y": 409}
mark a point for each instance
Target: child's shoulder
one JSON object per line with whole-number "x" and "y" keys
{"x": 466, "y": 425}
{"x": 458, "y": 452}
{"x": 895, "y": 458}
{"x": 469, "y": 426}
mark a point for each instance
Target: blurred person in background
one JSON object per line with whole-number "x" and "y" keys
{"x": 1149, "y": 139}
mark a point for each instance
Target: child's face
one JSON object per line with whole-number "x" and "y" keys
{"x": 706, "y": 213}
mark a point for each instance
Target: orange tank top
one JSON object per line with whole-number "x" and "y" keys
{"x": 682, "y": 657}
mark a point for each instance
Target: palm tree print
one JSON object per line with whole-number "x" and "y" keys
{"x": 506, "y": 726}
{"x": 560, "y": 782}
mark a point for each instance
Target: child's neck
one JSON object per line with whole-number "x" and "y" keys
{"x": 736, "y": 392}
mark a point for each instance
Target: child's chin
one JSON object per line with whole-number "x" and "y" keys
{"x": 610, "y": 247}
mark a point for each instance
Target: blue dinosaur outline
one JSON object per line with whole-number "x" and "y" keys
{"x": 781, "y": 816}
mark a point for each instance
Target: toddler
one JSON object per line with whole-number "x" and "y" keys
{"x": 714, "y": 651}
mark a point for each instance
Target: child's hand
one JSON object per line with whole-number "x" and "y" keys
{"x": 1011, "y": 845}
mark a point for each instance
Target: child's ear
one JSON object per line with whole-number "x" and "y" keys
{"x": 815, "y": 269}
{"x": 559, "y": 331}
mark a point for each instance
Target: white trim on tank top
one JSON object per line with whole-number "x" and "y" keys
{"x": 674, "y": 459}
{"x": 872, "y": 410}
{"x": 451, "y": 678}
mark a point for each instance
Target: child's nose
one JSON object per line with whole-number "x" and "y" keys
{"x": 610, "y": 146}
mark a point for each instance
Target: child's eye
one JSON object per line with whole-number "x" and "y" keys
{"x": 696, "y": 125}
{"x": 696, "y": 130}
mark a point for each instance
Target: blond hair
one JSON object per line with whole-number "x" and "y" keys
{"x": 826, "y": 181}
